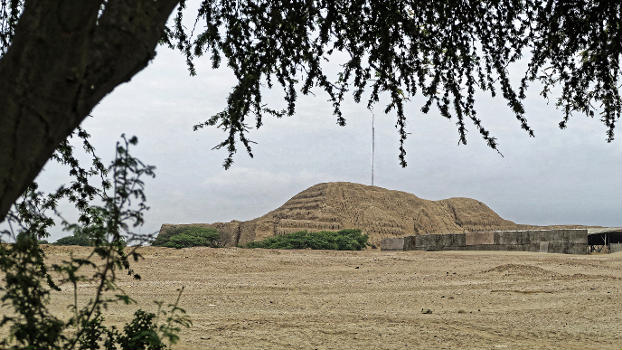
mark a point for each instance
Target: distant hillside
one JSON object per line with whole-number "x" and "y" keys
{"x": 378, "y": 212}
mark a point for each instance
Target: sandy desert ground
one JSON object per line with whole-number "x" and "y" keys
{"x": 277, "y": 299}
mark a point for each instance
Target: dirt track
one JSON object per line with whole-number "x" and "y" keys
{"x": 239, "y": 298}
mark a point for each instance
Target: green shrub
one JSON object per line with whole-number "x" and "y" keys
{"x": 141, "y": 333}
{"x": 146, "y": 331}
{"x": 189, "y": 236}
{"x": 75, "y": 240}
{"x": 80, "y": 240}
{"x": 328, "y": 240}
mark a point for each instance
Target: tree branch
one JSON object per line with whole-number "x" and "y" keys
{"x": 65, "y": 57}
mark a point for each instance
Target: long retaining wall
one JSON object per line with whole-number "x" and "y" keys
{"x": 551, "y": 241}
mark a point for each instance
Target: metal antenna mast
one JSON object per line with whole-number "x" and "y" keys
{"x": 373, "y": 145}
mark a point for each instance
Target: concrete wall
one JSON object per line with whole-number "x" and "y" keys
{"x": 393, "y": 243}
{"x": 615, "y": 247}
{"x": 440, "y": 242}
{"x": 551, "y": 241}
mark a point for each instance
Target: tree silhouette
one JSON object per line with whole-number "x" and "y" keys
{"x": 60, "y": 58}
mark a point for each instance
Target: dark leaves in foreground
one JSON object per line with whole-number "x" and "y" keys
{"x": 110, "y": 202}
{"x": 443, "y": 51}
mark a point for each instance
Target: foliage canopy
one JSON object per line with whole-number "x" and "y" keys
{"x": 444, "y": 51}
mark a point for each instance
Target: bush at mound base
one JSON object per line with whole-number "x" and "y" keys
{"x": 328, "y": 240}
{"x": 190, "y": 236}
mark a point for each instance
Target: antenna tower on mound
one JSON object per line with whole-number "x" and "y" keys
{"x": 373, "y": 145}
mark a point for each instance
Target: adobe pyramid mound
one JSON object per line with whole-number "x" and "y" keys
{"x": 378, "y": 212}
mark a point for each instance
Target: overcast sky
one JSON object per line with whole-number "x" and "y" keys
{"x": 567, "y": 176}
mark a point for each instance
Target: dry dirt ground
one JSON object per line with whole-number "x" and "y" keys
{"x": 277, "y": 299}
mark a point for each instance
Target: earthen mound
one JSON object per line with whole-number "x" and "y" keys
{"x": 378, "y": 212}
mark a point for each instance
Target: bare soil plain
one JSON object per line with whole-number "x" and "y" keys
{"x": 277, "y": 299}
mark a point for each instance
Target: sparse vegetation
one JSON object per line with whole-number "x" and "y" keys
{"x": 189, "y": 236}
{"x": 328, "y": 240}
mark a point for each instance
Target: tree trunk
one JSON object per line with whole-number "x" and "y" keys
{"x": 65, "y": 57}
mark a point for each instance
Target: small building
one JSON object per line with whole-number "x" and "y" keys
{"x": 608, "y": 239}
